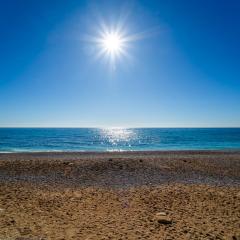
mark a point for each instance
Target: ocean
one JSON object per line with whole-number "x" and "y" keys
{"x": 117, "y": 139}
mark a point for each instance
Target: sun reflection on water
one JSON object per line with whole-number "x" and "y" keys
{"x": 118, "y": 136}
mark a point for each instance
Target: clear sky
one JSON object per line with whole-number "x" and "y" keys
{"x": 184, "y": 70}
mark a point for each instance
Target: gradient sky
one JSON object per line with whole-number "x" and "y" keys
{"x": 184, "y": 72}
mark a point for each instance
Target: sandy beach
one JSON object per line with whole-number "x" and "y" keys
{"x": 128, "y": 195}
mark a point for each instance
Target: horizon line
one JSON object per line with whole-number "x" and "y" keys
{"x": 79, "y": 127}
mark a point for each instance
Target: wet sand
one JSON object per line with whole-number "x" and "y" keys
{"x": 129, "y": 195}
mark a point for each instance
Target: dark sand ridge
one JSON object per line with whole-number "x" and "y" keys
{"x": 120, "y": 195}
{"x": 122, "y": 169}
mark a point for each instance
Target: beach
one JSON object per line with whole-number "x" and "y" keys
{"x": 120, "y": 195}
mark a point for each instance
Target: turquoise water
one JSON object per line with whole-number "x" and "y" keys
{"x": 117, "y": 139}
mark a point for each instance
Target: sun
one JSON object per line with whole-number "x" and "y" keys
{"x": 112, "y": 43}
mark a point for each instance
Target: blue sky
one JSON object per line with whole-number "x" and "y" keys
{"x": 183, "y": 72}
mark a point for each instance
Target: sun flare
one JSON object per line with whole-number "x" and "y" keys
{"x": 112, "y": 43}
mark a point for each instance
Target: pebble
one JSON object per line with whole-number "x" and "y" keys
{"x": 161, "y": 217}
{"x": 161, "y": 214}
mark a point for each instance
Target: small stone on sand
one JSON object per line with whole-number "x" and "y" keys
{"x": 161, "y": 217}
{"x": 161, "y": 214}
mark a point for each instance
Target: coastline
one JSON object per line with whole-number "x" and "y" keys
{"x": 117, "y": 195}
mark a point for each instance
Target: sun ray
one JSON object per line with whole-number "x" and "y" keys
{"x": 112, "y": 41}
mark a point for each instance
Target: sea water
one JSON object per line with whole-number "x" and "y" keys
{"x": 117, "y": 139}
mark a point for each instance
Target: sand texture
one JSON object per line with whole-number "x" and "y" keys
{"x": 138, "y": 195}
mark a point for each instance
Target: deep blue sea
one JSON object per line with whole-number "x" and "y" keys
{"x": 117, "y": 139}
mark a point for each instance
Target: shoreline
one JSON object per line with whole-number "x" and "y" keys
{"x": 125, "y": 151}
{"x": 197, "y": 151}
